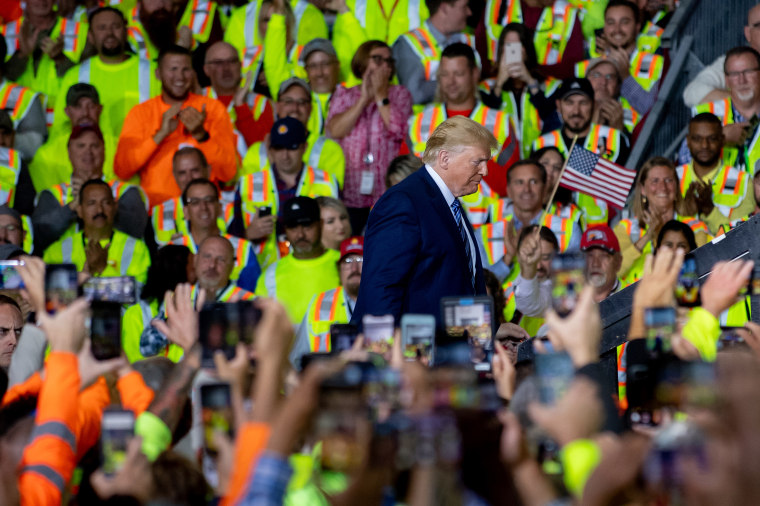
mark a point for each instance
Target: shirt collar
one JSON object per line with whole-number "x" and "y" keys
{"x": 441, "y": 185}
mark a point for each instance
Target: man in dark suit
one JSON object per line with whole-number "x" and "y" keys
{"x": 419, "y": 245}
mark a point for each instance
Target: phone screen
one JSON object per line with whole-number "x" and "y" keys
{"x": 417, "y": 337}
{"x": 687, "y": 286}
{"x": 660, "y": 324}
{"x": 555, "y": 372}
{"x": 378, "y": 333}
{"x": 223, "y": 325}
{"x": 120, "y": 289}
{"x": 60, "y": 286}
{"x": 265, "y": 211}
{"x": 568, "y": 270}
{"x": 216, "y": 413}
{"x": 9, "y": 276}
{"x": 118, "y": 427}
{"x": 342, "y": 336}
{"x": 105, "y": 330}
{"x": 471, "y": 319}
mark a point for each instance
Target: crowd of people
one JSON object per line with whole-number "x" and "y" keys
{"x": 266, "y": 176}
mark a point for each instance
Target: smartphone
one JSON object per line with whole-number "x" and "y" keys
{"x": 121, "y": 289}
{"x": 378, "y": 333}
{"x": 417, "y": 337}
{"x": 216, "y": 413}
{"x": 222, "y": 325}
{"x": 105, "y": 330}
{"x": 568, "y": 271}
{"x": 687, "y": 286}
{"x": 10, "y": 279}
{"x": 754, "y": 285}
{"x": 555, "y": 372}
{"x": 117, "y": 428}
{"x": 513, "y": 52}
{"x": 342, "y": 336}
{"x": 660, "y": 323}
{"x": 265, "y": 211}
{"x": 472, "y": 320}
{"x": 678, "y": 442}
{"x": 60, "y": 286}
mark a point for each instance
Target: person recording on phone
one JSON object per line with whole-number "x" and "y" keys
{"x": 721, "y": 192}
{"x": 416, "y": 51}
{"x": 168, "y": 218}
{"x": 333, "y": 306}
{"x": 419, "y": 245}
{"x": 99, "y": 249}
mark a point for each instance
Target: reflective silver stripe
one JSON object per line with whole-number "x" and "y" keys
{"x": 56, "y": 429}
{"x": 413, "y": 14}
{"x": 70, "y": 34}
{"x": 360, "y": 11}
{"x": 490, "y": 120}
{"x": 200, "y": 13}
{"x": 48, "y": 473}
{"x": 327, "y": 302}
{"x": 126, "y": 255}
{"x": 731, "y": 180}
{"x": 143, "y": 76}
{"x": 13, "y": 96}
{"x": 168, "y": 214}
{"x": 11, "y": 33}
{"x": 5, "y": 157}
{"x": 257, "y": 183}
{"x": 84, "y": 71}
{"x": 147, "y": 313}
{"x": 426, "y": 124}
{"x": 419, "y": 35}
{"x": 298, "y": 13}
{"x": 67, "y": 247}
{"x": 316, "y": 151}
{"x": 251, "y": 23}
{"x": 646, "y": 63}
{"x": 269, "y": 280}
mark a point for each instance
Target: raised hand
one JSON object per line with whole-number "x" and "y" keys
{"x": 529, "y": 254}
{"x": 169, "y": 123}
{"x": 181, "y": 325}
{"x": 193, "y": 120}
{"x": 578, "y": 333}
{"x": 721, "y": 290}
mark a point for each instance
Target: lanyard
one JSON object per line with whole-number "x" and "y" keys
{"x": 387, "y": 17}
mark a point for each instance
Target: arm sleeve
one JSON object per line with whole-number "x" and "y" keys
{"x": 348, "y": 35}
{"x": 136, "y": 145}
{"x": 709, "y": 78}
{"x": 401, "y": 109}
{"x": 155, "y": 434}
{"x": 49, "y": 459}
{"x": 132, "y": 218}
{"x": 32, "y": 130}
{"x": 92, "y": 401}
{"x": 25, "y": 192}
{"x": 276, "y": 64}
{"x": 31, "y": 386}
{"x": 532, "y": 298}
{"x": 50, "y": 221}
{"x": 251, "y": 442}
{"x": 136, "y": 396}
{"x": 411, "y": 73}
{"x": 220, "y": 147}
{"x": 639, "y": 98}
{"x": 301, "y": 343}
{"x": 703, "y": 330}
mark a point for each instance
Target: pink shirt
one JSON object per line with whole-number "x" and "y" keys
{"x": 370, "y": 136}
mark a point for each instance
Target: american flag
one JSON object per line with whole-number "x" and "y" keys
{"x": 589, "y": 173}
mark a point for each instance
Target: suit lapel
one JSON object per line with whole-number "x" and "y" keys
{"x": 438, "y": 204}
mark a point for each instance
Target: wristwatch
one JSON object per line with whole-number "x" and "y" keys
{"x": 385, "y": 101}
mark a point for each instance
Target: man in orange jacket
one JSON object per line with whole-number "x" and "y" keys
{"x": 155, "y": 129}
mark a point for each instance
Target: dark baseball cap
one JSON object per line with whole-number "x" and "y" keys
{"x": 79, "y": 130}
{"x": 300, "y": 211}
{"x": 81, "y": 90}
{"x": 288, "y": 133}
{"x": 575, "y": 86}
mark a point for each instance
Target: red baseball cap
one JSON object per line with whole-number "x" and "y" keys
{"x": 352, "y": 246}
{"x": 600, "y": 236}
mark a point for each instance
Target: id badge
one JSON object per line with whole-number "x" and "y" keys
{"x": 368, "y": 183}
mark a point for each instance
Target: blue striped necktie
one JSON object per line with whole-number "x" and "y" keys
{"x": 457, "y": 208}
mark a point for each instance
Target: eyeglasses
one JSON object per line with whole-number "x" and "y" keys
{"x": 607, "y": 77}
{"x": 319, "y": 66}
{"x": 297, "y": 103}
{"x": 198, "y": 201}
{"x": 746, "y": 73}
{"x": 351, "y": 260}
{"x": 229, "y": 61}
{"x": 379, "y": 60}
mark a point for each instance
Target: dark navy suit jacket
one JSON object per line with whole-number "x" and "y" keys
{"x": 413, "y": 253}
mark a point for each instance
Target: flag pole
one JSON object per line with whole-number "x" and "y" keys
{"x": 556, "y": 185}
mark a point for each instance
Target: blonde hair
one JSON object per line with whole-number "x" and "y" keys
{"x": 679, "y": 205}
{"x": 457, "y": 133}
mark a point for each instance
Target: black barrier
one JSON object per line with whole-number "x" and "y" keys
{"x": 743, "y": 242}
